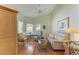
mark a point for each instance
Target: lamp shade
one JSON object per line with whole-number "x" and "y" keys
{"x": 72, "y": 30}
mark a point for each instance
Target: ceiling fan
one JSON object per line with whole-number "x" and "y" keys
{"x": 39, "y": 10}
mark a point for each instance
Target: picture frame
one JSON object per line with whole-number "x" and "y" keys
{"x": 63, "y": 25}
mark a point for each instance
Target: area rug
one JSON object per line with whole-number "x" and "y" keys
{"x": 45, "y": 51}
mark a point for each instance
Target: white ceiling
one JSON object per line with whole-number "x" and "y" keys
{"x": 31, "y": 10}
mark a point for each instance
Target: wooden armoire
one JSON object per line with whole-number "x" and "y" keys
{"x": 8, "y": 31}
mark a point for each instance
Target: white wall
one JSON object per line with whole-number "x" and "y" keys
{"x": 21, "y": 17}
{"x": 63, "y": 11}
{"x": 43, "y": 20}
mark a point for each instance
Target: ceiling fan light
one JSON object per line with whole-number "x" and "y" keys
{"x": 39, "y": 11}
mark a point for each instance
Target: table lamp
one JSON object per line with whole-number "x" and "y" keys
{"x": 72, "y": 30}
{"x": 74, "y": 33}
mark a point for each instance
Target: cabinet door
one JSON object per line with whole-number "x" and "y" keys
{"x": 7, "y": 32}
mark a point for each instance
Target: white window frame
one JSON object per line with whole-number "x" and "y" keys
{"x": 29, "y": 28}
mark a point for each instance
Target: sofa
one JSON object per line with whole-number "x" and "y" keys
{"x": 56, "y": 36}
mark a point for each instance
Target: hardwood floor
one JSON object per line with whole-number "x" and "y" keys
{"x": 27, "y": 49}
{"x": 31, "y": 47}
{"x": 59, "y": 52}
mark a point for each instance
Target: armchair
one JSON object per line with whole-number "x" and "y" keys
{"x": 20, "y": 40}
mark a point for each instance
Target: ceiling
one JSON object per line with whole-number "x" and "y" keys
{"x": 32, "y": 10}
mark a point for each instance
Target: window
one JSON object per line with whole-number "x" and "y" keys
{"x": 38, "y": 27}
{"x": 20, "y": 24}
{"x": 29, "y": 28}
